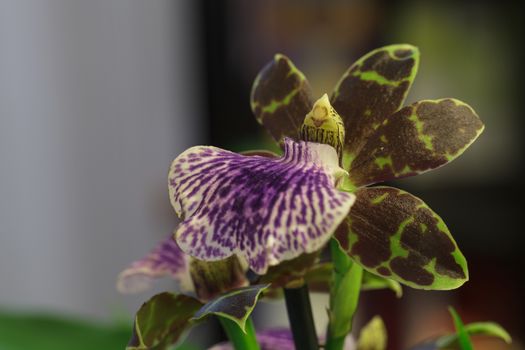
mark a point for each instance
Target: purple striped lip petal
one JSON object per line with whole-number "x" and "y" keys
{"x": 278, "y": 338}
{"x": 264, "y": 210}
{"x": 165, "y": 260}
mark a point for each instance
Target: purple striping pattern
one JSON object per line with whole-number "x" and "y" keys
{"x": 166, "y": 259}
{"x": 263, "y": 209}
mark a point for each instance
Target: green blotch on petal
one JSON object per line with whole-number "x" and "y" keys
{"x": 383, "y": 161}
{"x": 272, "y": 107}
{"x": 379, "y": 199}
{"x": 395, "y": 242}
{"x": 375, "y": 77}
{"x": 426, "y": 139}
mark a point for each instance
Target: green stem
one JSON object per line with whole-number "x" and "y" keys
{"x": 301, "y": 319}
{"x": 344, "y": 296}
{"x": 239, "y": 339}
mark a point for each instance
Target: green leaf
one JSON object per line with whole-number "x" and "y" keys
{"x": 280, "y": 98}
{"x": 396, "y": 235}
{"x": 463, "y": 338}
{"x": 373, "y": 335}
{"x": 236, "y": 305}
{"x": 418, "y": 138}
{"x": 162, "y": 321}
{"x": 491, "y": 329}
{"x": 319, "y": 277}
{"x": 373, "y": 282}
{"x": 344, "y": 296}
{"x": 488, "y": 328}
{"x": 373, "y": 88}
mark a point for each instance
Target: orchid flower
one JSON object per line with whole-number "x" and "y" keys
{"x": 263, "y": 211}
{"x": 389, "y": 232}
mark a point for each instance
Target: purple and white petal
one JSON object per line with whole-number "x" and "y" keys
{"x": 278, "y": 338}
{"x": 265, "y": 210}
{"x": 165, "y": 260}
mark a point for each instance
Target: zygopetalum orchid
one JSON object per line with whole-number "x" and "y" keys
{"x": 388, "y": 231}
{"x": 272, "y": 213}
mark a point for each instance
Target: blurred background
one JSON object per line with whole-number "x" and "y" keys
{"x": 97, "y": 98}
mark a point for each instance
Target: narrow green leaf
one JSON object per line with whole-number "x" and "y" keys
{"x": 396, "y": 235}
{"x": 162, "y": 321}
{"x": 488, "y": 328}
{"x": 373, "y": 335}
{"x": 236, "y": 305}
{"x": 344, "y": 296}
{"x": 491, "y": 329}
{"x": 241, "y": 340}
{"x": 372, "y": 281}
{"x": 463, "y": 338}
{"x": 416, "y": 139}
{"x": 280, "y": 98}
{"x": 373, "y": 88}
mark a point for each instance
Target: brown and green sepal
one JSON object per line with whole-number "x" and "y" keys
{"x": 371, "y": 90}
{"x": 396, "y": 235}
{"x": 280, "y": 98}
{"x": 420, "y": 137}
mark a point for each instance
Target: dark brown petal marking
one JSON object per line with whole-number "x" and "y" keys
{"x": 418, "y": 138}
{"x": 371, "y": 90}
{"x": 384, "y": 271}
{"x": 394, "y": 234}
{"x": 281, "y": 97}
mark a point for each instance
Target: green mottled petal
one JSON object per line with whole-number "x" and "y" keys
{"x": 281, "y": 97}
{"x": 396, "y": 235}
{"x": 236, "y": 305}
{"x": 418, "y": 138}
{"x": 162, "y": 321}
{"x": 371, "y": 90}
{"x": 373, "y": 335}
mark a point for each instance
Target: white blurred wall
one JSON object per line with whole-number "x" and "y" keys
{"x": 96, "y": 99}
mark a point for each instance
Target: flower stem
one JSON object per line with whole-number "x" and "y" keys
{"x": 300, "y": 317}
{"x": 239, "y": 339}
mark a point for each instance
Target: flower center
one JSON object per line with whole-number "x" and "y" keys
{"x": 324, "y": 125}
